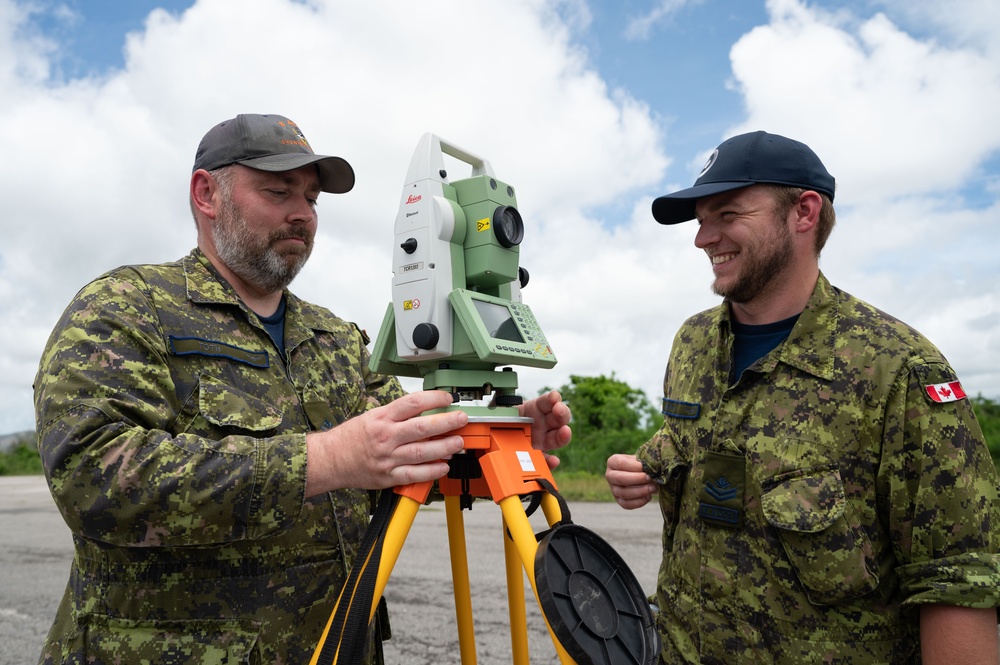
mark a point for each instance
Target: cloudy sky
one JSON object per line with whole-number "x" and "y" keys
{"x": 589, "y": 108}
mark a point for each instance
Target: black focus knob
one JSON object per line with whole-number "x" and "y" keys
{"x": 409, "y": 245}
{"x": 425, "y": 336}
{"x": 509, "y": 400}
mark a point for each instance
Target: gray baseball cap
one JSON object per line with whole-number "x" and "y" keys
{"x": 269, "y": 143}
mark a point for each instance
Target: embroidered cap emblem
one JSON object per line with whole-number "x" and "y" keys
{"x": 710, "y": 163}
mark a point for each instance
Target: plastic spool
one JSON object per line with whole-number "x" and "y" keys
{"x": 593, "y": 602}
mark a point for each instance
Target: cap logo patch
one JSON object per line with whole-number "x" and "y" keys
{"x": 945, "y": 392}
{"x": 300, "y": 137}
{"x": 710, "y": 163}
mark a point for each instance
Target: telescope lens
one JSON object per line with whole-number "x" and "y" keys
{"x": 507, "y": 226}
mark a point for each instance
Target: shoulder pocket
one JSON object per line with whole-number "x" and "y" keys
{"x": 820, "y": 533}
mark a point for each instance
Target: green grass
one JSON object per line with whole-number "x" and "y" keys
{"x": 582, "y": 486}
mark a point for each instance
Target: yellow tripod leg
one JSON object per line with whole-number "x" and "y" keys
{"x": 395, "y": 537}
{"x": 515, "y": 601}
{"x": 460, "y": 579}
{"x": 550, "y": 508}
{"x": 524, "y": 540}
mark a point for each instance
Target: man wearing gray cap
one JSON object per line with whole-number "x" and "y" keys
{"x": 826, "y": 491}
{"x": 211, "y": 439}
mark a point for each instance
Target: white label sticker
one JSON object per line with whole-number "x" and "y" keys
{"x": 524, "y": 457}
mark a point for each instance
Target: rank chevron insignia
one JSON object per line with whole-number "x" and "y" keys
{"x": 720, "y": 489}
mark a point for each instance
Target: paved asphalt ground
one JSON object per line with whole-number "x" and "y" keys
{"x": 36, "y": 550}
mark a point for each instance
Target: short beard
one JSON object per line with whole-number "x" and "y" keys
{"x": 761, "y": 269}
{"x": 255, "y": 260}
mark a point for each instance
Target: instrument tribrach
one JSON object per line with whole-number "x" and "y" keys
{"x": 456, "y": 317}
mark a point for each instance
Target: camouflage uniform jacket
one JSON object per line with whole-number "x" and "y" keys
{"x": 811, "y": 506}
{"x": 173, "y": 438}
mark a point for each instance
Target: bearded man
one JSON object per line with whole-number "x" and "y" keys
{"x": 211, "y": 439}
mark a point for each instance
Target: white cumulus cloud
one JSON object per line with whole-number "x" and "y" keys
{"x": 94, "y": 170}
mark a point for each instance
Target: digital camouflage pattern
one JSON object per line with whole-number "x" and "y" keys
{"x": 860, "y": 497}
{"x": 173, "y": 438}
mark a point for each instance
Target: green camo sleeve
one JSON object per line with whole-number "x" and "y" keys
{"x": 105, "y": 402}
{"x": 942, "y": 491}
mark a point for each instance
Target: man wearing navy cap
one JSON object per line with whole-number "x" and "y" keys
{"x": 210, "y": 438}
{"x": 827, "y": 493}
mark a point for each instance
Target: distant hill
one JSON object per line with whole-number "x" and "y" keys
{"x": 8, "y": 441}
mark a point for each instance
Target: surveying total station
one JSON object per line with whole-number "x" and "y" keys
{"x": 456, "y": 316}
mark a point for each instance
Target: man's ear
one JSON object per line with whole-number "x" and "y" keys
{"x": 203, "y": 190}
{"x": 806, "y": 211}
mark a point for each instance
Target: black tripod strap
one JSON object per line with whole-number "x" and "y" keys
{"x": 563, "y": 506}
{"x": 346, "y": 640}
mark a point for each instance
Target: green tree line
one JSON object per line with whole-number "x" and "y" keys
{"x": 609, "y": 416}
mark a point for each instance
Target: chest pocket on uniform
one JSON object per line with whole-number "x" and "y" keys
{"x": 220, "y": 408}
{"x": 820, "y": 533}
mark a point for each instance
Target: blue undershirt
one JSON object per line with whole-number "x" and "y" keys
{"x": 275, "y": 326}
{"x": 753, "y": 342}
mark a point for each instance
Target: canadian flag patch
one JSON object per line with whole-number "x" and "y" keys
{"x": 945, "y": 392}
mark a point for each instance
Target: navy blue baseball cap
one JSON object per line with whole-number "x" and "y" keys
{"x": 269, "y": 143}
{"x": 744, "y": 160}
